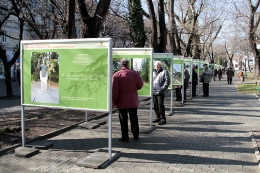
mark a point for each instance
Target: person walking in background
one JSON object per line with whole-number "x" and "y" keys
{"x": 161, "y": 81}
{"x": 194, "y": 81}
{"x": 230, "y": 75}
{"x": 186, "y": 82}
{"x": 219, "y": 74}
{"x": 206, "y": 79}
{"x": 214, "y": 73}
{"x": 125, "y": 84}
{"x": 241, "y": 76}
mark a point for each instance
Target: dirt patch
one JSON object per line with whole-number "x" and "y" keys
{"x": 38, "y": 122}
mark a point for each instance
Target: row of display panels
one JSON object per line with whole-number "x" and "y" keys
{"x": 77, "y": 74}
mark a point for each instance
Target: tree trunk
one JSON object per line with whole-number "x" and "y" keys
{"x": 162, "y": 27}
{"x": 92, "y": 25}
{"x": 71, "y": 21}
{"x": 153, "y": 27}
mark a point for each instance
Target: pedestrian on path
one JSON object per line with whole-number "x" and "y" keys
{"x": 125, "y": 84}
{"x": 161, "y": 81}
{"x": 186, "y": 81}
{"x": 214, "y": 73}
{"x": 230, "y": 75}
{"x": 206, "y": 79}
{"x": 241, "y": 76}
{"x": 219, "y": 74}
{"x": 194, "y": 81}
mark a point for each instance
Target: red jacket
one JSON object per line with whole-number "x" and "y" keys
{"x": 126, "y": 82}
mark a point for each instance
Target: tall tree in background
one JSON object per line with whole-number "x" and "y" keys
{"x": 92, "y": 22}
{"x": 158, "y": 40}
{"x": 71, "y": 20}
{"x": 174, "y": 40}
{"x": 136, "y": 23}
{"x": 14, "y": 11}
{"x": 254, "y": 20}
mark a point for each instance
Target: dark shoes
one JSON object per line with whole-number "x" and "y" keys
{"x": 157, "y": 120}
{"x": 136, "y": 138}
{"x": 205, "y": 96}
{"x": 162, "y": 122}
{"x": 123, "y": 140}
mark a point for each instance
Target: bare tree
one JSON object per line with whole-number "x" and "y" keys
{"x": 158, "y": 40}
{"x": 92, "y": 21}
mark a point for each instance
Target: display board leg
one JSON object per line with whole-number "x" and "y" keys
{"x": 182, "y": 94}
{"x": 86, "y": 116}
{"x": 110, "y": 135}
{"x": 171, "y": 111}
{"x": 191, "y": 91}
{"x": 23, "y": 126}
{"x": 151, "y": 113}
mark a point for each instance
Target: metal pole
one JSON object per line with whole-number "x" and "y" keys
{"x": 86, "y": 116}
{"x": 171, "y": 99}
{"x": 110, "y": 63}
{"x": 151, "y": 113}
{"x": 23, "y": 126}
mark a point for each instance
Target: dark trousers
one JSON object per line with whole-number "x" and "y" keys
{"x": 206, "y": 89}
{"x": 124, "y": 122}
{"x": 18, "y": 77}
{"x": 229, "y": 80}
{"x": 194, "y": 89}
{"x": 185, "y": 94}
{"x": 178, "y": 93}
{"x": 158, "y": 101}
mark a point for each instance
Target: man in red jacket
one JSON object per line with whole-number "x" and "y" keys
{"x": 126, "y": 82}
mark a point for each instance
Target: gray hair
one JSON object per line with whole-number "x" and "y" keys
{"x": 157, "y": 62}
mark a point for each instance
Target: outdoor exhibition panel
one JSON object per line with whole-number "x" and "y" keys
{"x": 67, "y": 73}
{"x": 195, "y": 62}
{"x": 177, "y": 71}
{"x": 167, "y": 61}
{"x": 141, "y": 61}
{"x": 70, "y": 74}
{"x": 188, "y": 66}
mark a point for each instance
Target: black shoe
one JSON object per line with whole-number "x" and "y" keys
{"x": 157, "y": 120}
{"x": 162, "y": 122}
{"x": 123, "y": 140}
{"x": 136, "y": 138}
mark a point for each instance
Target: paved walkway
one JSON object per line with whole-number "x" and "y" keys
{"x": 206, "y": 135}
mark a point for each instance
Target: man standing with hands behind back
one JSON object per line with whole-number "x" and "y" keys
{"x": 126, "y": 82}
{"x": 206, "y": 75}
{"x": 161, "y": 81}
